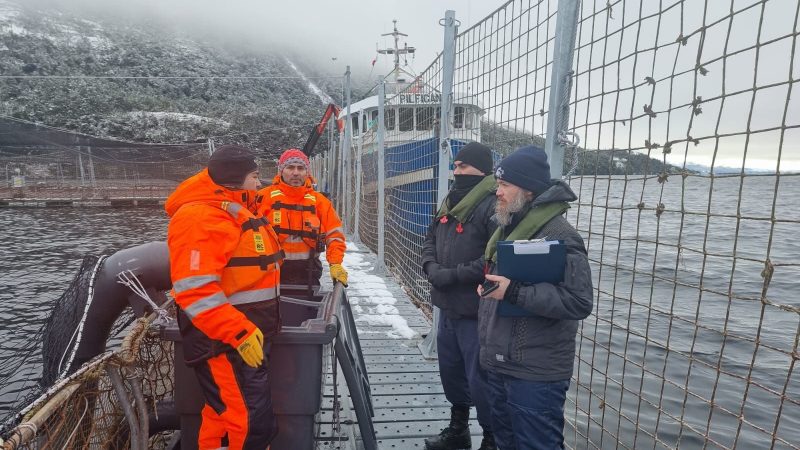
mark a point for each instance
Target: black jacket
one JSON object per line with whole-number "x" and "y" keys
{"x": 453, "y": 261}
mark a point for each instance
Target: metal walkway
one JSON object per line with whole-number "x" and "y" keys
{"x": 407, "y": 395}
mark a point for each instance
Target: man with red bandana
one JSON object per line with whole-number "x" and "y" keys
{"x": 305, "y": 222}
{"x": 225, "y": 268}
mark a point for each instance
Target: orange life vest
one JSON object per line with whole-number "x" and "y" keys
{"x": 304, "y": 220}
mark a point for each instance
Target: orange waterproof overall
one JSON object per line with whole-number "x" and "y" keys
{"x": 225, "y": 267}
{"x": 304, "y": 221}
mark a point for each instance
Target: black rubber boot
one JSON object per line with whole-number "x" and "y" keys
{"x": 488, "y": 441}
{"x": 456, "y": 436}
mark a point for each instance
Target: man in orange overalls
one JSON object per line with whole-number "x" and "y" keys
{"x": 305, "y": 222}
{"x": 225, "y": 267}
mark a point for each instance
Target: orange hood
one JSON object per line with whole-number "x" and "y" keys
{"x": 200, "y": 188}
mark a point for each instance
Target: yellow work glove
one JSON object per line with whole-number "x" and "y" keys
{"x": 252, "y": 348}
{"x": 339, "y": 274}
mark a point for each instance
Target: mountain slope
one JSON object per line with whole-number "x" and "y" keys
{"x": 270, "y": 106}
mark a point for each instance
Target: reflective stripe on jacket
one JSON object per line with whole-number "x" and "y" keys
{"x": 302, "y": 217}
{"x": 225, "y": 267}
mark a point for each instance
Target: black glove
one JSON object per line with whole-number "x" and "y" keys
{"x": 440, "y": 277}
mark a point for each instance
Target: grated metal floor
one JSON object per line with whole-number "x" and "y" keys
{"x": 407, "y": 395}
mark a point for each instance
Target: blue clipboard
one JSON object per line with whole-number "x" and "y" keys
{"x": 535, "y": 261}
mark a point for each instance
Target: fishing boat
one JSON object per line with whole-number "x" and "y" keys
{"x": 412, "y": 120}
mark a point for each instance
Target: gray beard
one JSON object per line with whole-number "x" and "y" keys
{"x": 502, "y": 214}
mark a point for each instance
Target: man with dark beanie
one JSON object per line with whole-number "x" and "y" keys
{"x": 225, "y": 270}
{"x": 452, "y": 259}
{"x": 529, "y": 359}
{"x": 229, "y": 165}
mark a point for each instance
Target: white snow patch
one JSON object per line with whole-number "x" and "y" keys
{"x": 384, "y": 309}
{"x": 98, "y": 42}
{"x": 92, "y": 24}
{"x": 325, "y": 98}
{"x": 179, "y": 117}
{"x": 352, "y": 246}
{"x": 371, "y": 293}
{"x": 13, "y": 28}
{"x": 352, "y": 260}
{"x": 372, "y": 300}
{"x": 399, "y": 325}
{"x": 371, "y": 279}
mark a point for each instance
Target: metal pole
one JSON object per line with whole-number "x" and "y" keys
{"x": 564, "y": 46}
{"x": 91, "y": 168}
{"x": 380, "y": 153}
{"x": 326, "y": 172}
{"x": 428, "y": 346}
{"x": 343, "y": 167}
{"x": 347, "y": 147}
{"x": 359, "y": 147}
{"x": 80, "y": 164}
{"x": 338, "y": 173}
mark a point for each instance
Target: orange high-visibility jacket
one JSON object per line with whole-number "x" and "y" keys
{"x": 225, "y": 267}
{"x": 299, "y": 215}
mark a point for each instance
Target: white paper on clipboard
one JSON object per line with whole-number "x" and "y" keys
{"x": 532, "y": 247}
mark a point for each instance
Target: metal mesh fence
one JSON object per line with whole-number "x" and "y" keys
{"x": 46, "y": 163}
{"x": 694, "y": 338}
{"x": 411, "y": 165}
{"x": 687, "y": 179}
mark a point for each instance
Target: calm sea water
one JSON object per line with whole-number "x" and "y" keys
{"x": 679, "y": 323}
{"x": 40, "y": 253}
{"x": 656, "y": 354}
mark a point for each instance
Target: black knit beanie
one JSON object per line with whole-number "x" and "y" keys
{"x": 230, "y": 164}
{"x": 527, "y": 168}
{"x": 476, "y": 155}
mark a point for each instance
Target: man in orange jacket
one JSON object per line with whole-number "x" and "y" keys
{"x": 305, "y": 222}
{"x": 225, "y": 267}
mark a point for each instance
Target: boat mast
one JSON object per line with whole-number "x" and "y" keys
{"x": 396, "y": 51}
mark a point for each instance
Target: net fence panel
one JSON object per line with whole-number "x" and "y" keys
{"x": 368, "y": 203}
{"x": 503, "y": 65}
{"x": 693, "y": 342}
{"x": 412, "y": 123}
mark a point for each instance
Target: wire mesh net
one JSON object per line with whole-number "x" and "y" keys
{"x": 85, "y": 410}
{"x": 687, "y": 179}
{"x": 688, "y": 345}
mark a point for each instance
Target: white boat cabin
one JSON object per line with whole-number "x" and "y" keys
{"x": 412, "y": 117}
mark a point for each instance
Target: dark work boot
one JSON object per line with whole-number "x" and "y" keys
{"x": 488, "y": 441}
{"x": 456, "y": 435}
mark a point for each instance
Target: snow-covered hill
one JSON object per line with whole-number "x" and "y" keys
{"x": 267, "y": 113}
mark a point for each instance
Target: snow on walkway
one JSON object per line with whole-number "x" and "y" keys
{"x": 374, "y": 298}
